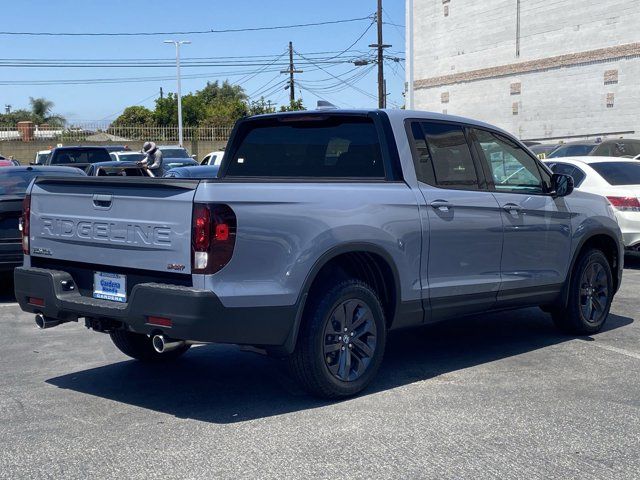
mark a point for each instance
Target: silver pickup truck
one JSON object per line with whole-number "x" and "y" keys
{"x": 324, "y": 230}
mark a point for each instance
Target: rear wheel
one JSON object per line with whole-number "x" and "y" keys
{"x": 341, "y": 341}
{"x": 140, "y": 347}
{"x": 590, "y": 296}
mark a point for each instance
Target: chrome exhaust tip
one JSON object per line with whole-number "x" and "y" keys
{"x": 162, "y": 344}
{"x": 46, "y": 322}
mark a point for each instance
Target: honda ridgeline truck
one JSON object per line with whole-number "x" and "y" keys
{"x": 324, "y": 231}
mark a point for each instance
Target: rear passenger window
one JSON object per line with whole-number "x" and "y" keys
{"x": 335, "y": 147}
{"x": 443, "y": 156}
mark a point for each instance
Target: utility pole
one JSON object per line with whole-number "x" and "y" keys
{"x": 161, "y": 94}
{"x": 177, "y": 43}
{"x": 382, "y": 99}
{"x": 291, "y": 71}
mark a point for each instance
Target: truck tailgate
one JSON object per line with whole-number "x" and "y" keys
{"x": 124, "y": 222}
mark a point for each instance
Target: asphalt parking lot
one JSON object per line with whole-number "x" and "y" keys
{"x": 495, "y": 396}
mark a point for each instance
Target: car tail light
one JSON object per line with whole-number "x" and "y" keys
{"x": 213, "y": 237}
{"x": 629, "y": 204}
{"x": 26, "y": 223}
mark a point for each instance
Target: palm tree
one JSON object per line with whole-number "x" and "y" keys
{"x": 41, "y": 110}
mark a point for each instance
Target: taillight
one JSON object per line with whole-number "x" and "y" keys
{"x": 213, "y": 237}
{"x": 629, "y": 204}
{"x": 26, "y": 223}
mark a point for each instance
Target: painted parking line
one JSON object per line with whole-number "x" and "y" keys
{"x": 610, "y": 348}
{"x": 13, "y": 304}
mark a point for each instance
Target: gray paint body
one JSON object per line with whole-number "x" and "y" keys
{"x": 285, "y": 228}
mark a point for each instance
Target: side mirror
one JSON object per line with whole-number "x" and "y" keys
{"x": 561, "y": 185}
{"x": 195, "y": 157}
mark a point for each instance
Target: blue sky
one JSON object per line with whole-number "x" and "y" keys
{"x": 100, "y": 102}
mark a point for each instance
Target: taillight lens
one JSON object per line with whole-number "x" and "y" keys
{"x": 26, "y": 223}
{"x": 629, "y": 204}
{"x": 213, "y": 237}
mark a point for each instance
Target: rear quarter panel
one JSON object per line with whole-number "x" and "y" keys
{"x": 590, "y": 215}
{"x": 283, "y": 229}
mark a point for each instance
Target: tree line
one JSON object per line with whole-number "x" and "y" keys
{"x": 216, "y": 104}
{"x": 40, "y": 112}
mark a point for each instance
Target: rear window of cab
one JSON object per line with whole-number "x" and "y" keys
{"x": 311, "y": 147}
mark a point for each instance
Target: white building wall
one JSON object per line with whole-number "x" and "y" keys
{"x": 559, "y": 102}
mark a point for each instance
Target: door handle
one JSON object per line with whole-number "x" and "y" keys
{"x": 512, "y": 208}
{"x": 441, "y": 205}
{"x": 102, "y": 201}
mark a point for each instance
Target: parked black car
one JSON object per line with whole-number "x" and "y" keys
{"x": 617, "y": 147}
{"x": 117, "y": 169}
{"x": 13, "y": 185}
{"x": 79, "y": 156}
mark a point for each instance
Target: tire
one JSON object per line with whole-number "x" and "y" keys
{"x": 139, "y": 346}
{"x": 330, "y": 362}
{"x": 591, "y": 284}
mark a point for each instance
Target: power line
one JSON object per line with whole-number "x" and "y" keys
{"x": 161, "y": 65}
{"x": 122, "y": 110}
{"x": 339, "y": 79}
{"x": 265, "y": 57}
{"x": 354, "y": 43}
{"x": 191, "y": 32}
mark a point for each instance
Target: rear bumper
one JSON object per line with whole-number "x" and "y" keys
{"x": 629, "y": 223}
{"x": 195, "y": 314}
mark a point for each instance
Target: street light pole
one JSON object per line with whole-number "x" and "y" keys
{"x": 177, "y": 43}
{"x": 410, "y": 55}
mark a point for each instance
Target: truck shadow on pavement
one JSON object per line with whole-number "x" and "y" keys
{"x": 6, "y": 288}
{"x": 632, "y": 261}
{"x": 221, "y": 384}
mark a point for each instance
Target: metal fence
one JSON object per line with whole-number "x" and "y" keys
{"x": 107, "y": 133}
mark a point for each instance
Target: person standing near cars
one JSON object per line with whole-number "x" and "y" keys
{"x": 154, "y": 159}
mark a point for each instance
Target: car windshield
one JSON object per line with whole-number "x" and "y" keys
{"x": 80, "y": 155}
{"x": 131, "y": 157}
{"x": 14, "y": 183}
{"x": 41, "y": 158}
{"x": 618, "y": 173}
{"x": 120, "y": 172}
{"x": 174, "y": 153}
{"x": 571, "y": 151}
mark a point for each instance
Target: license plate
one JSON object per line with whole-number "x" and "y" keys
{"x": 110, "y": 286}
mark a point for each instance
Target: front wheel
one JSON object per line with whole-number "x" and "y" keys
{"x": 341, "y": 341}
{"x": 140, "y": 347}
{"x": 590, "y": 295}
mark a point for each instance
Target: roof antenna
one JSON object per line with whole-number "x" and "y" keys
{"x": 324, "y": 105}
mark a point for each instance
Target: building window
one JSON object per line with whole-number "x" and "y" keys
{"x": 516, "y": 88}
{"x": 610, "y": 98}
{"x": 610, "y": 77}
{"x": 444, "y": 97}
{"x": 514, "y": 108}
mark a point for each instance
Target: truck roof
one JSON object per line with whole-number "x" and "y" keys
{"x": 393, "y": 114}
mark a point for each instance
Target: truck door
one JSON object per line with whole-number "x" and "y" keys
{"x": 537, "y": 226}
{"x": 462, "y": 267}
